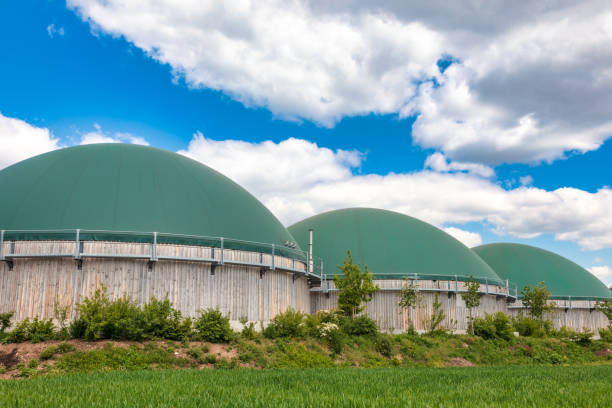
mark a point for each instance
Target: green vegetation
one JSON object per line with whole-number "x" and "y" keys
{"x": 213, "y": 326}
{"x": 355, "y": 287}
{"x": 471, "y": 298}
{"x": 535, "y": 299}
{"x": 480, "y": 387}
{"x": 604, "y": 306}
{"x": 493, "y": 326}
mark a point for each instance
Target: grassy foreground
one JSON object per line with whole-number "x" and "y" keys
{"x": 518, "y": 386}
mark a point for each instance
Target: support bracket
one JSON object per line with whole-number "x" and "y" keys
{"x": 213, "y": 268}
{"x": 9, "y": 262}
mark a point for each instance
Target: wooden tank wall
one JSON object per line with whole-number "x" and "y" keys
{"x": 35, "y": 284}
{"x": 577, "y": 314}
{"x": 384, "y": 308}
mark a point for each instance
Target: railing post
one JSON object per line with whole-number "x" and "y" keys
{"x": 272, "y": 265}
{"x": 322, "y": 268}
{"x": 456, "y": 284}
{"x": 221, "y": 256}
{"x": 77, "y": 248}
{"x": 2, "y": 245}
{"x": 154, "y": 247}
{"x": 487, "y": 285}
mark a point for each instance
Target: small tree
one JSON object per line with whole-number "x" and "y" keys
{"x": 605, "y": 307}
{"x": 535, "y": 299}
{"x": 433, "y": 324}
{"x": 410, "y": 297}
{"x": 472, "y": 300}
{"x": 355, "y": 287}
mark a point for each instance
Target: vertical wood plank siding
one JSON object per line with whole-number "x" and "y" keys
{"x": 384, "y": 308}
{"x": 35, "y": 284}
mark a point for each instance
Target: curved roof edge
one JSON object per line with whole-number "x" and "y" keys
{"x": 527, "y": 265}
{"x": 392, "y": 244}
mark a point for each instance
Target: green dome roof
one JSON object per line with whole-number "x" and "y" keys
{"x": 119, "y": 187}
{"x": 527, "y": 266}
{"x": 389, "y": 243}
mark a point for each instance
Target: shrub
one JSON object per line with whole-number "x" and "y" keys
{"x": 584, "y": 338}
{"x": 288, "y": 324}
{"x": 120, "y": 319}
{"x": 77, "y": 328}
{"x": 606, "y": 335}
{"x": 530, "y": 327}
{"x": 335, "y": 339}
{"x": 383, "y": 345}
{"x": 162, "y": 321}
{"x": 196, "y": 354}
{"x": 359, "y": 326}
{"x": 493, "y": 326}
{"x": 5, "y": 322}
{"x": 34, "y": 331}
{"x": 212, "y": 326}
{"x": 61, "y": 348}
{"x": 48, "y": 353}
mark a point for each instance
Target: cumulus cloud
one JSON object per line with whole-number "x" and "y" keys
{"x": 529, "y": 82}
{"x": 19, "y": 140}
{"x": 280, "y": 54}
{"x": 603, "y": 272}
{"x": 99, "y": 136}
{"x": 52, "y": 30}
{"x": 468, "y": 238}
{"x": 438, "y": 162}
{"x": 297, "y": 179}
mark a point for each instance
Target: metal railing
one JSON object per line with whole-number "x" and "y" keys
{"x": 271, "y": 256}
{"x": 488, "y": 286}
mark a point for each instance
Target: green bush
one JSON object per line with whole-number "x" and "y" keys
{"x": 48, "y": 353}
{"x": 288, "y": 324}
{"x": 606, "y": 335}
{"x": 77, "y": 328}
{"x": 359, "y": 326}
{"x": 529, "y": 327}
{"x": 119, "y": 319}
{"x": 493, "y": 326}
{"x": 34, "y": 331}
{"x": 383, "y": 345}
{"x": 212, "y": 326}
{"x": 584, "y": 338}
{"x": 162, "y": 321}
{"x": 5, "y": 322}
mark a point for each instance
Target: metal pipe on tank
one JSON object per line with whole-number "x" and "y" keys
{"x": 310, "y": 259}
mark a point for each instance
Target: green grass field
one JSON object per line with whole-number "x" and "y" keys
{"x": 526, "y": 386}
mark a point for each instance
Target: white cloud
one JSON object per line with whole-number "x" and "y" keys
{"x": 468, "y": 238}
{"x": 53, "y": 31}
{"x": 603, "y": 272}
{"x": 19, "y": 140}
{"x": 289, "y": 166}
{"x": 279, "y": 54}
{"x": 297, "y": 179}
{"x": 526, "y": 180}
{"x": 531, "y": 82}
{"x": 99, "y": 136}
{"x": 437, "y": 162}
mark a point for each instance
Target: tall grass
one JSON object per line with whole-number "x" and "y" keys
{"x": 586, "y": 386}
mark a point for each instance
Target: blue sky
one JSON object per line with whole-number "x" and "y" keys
{"x": 80, "y": 73}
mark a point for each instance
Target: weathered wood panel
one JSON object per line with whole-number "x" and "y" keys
{"x": 35, "y": 284}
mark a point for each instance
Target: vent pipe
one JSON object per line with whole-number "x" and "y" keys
{"x": 310, "y": 259}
